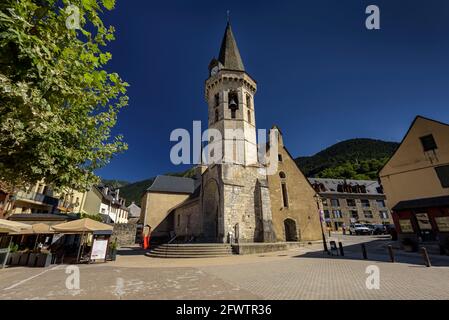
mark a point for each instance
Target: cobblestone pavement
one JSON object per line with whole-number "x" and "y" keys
{"x": 304, "y": 273}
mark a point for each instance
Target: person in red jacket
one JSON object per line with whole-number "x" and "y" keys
{"x": 146, "y": 237}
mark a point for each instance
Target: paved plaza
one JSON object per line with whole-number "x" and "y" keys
{"x": 304, "y": 273}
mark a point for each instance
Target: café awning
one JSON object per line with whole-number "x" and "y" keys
{"x": 7, "y": 226}
{"x": 38, "y": 228}
{"x": 83, "y": 225}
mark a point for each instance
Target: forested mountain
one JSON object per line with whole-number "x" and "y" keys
{"x": 350, "y": 159}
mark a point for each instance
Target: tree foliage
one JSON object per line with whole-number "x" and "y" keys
{"x": 58, "y": 104}
{"x": 345, "y": 154}
{"x": 361, "y": 170}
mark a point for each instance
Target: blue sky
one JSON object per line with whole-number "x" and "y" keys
{"x": 322, "y": 76}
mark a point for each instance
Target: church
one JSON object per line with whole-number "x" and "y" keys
{"x": 234, "y": 200}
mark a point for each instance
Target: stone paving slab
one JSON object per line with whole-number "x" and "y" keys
{"x": 304, "y": 273}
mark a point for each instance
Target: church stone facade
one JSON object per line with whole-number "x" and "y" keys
{"x": 233, "y": 198}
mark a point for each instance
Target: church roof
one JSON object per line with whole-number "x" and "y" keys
{"x": 229, "y": 52}
{"x": 173, "y": 184}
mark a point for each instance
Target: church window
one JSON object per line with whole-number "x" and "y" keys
{"x": 216, "y": 115}
{"x": 248, "y": 101}
{"x": 282, "y": 175}
{"x": 249, "y": 116}
{"x": 217, "y": 99}
{"x": 233, "y": 103}
{"x": 179, "y": 220}
{"x": 280, "y": 157}
{"x": 284, "y": 194}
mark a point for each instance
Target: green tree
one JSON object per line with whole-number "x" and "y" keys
{"x": 58, "y": 104}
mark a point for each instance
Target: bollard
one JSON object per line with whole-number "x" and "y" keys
{"x": 365, "y": 255}
{"x": 342, "y": 252}
{"x": 426, "y": 257}
{"x": 390, "y": 251}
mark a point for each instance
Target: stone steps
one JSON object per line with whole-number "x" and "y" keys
{"x": 190, "y": 251}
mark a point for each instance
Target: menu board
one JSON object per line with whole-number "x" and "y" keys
{"x": 442, "y": 223}
{"x": 99, "y": 249}
{"x": 406, "y": 225}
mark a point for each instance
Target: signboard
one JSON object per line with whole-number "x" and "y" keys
{"x": 99, "y": 249}
{"x": 406, "y": 225}
{"x": 423, "y": 221}
{"x": 442, "y": 223}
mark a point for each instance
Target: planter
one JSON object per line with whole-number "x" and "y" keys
{"x": 32, "y": 259}
{"x": 24, "y": 259}
{"x": 113, "y": 255}
{"x": 43, "y": 260}
{"x": 14, "y": 259}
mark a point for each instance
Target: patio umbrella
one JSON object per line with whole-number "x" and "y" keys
{"x": 38, "y": 228}
{"x": 82, "y": 225}
{"x": 8, "y": 226}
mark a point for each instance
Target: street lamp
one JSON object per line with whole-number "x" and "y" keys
{"x": 321, "y": 214}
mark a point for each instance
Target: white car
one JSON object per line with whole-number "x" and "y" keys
{"x": 359, "y": 229}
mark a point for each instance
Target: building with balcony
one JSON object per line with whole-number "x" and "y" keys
{"x": 112, "y": 207}
{"x": 351, "y": 201}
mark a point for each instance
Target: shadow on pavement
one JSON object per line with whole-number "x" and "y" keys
{"x": 131, "y": 251}
{"x": 377, "y": 251}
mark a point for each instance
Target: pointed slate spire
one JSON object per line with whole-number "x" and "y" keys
{"x": 229, "y": 53}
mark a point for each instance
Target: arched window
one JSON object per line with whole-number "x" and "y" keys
{"x": 248, "y": 101}
{"x": 233, "y": 103}
{"x": 280, "y": 157}
{"x": 216, "y": 115}
{"x": 249, "y": 116}
{"x": 284, "y": 189}
{"x": 284, "y": 194}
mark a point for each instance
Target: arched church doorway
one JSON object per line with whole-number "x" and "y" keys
{"x": 291, "y": 233}
{"x": 211, "y": 202}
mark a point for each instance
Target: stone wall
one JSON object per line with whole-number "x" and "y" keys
{"x": 302, "y": 207}
{"x": 125, "y": 234}
{"x": 188, "y": 220}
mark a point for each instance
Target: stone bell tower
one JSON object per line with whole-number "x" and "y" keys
{"x": 237, "y": 181}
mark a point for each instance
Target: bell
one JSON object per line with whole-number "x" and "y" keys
{"x": 233, "y": 104}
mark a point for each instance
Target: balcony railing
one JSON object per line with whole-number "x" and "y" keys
{"x": 37, "y": 197}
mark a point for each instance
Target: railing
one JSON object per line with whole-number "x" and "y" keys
{"x": 38, "y": 197}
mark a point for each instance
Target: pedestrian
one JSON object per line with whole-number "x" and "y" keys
{"x": 146, "y": 237}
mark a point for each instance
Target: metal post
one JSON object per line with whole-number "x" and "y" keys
{"x": 391, "y": 253}
{"x": 364, "y": 253}
{"x": 342, "y": 252}
{"x": 426, "y": 257}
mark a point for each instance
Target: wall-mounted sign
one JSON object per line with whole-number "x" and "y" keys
{"x": 423, "y": 221}
{"x": 406, "y": 225}
{"x": 99, "y": 249}
{"x": 442, "y": 223}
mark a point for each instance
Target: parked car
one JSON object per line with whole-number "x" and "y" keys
{"x": 377, "y": 229}
{"x": 359, "y": 229}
